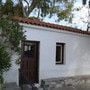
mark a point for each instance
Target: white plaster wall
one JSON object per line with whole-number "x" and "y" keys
{"x": 13, "y": 74}
{"x": 77, "y": 52}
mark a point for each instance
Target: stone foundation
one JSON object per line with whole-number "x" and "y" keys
{"x": 74, "y": 81}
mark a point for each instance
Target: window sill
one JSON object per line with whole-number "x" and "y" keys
{"x": 59, "y": 63}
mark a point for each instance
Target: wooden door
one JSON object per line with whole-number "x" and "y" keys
{"x": 29, "y": 63}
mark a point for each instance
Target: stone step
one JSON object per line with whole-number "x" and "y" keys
{"x": 29, "y": 87}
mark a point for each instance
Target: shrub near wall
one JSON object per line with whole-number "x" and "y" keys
{"x": 1, "y": 82}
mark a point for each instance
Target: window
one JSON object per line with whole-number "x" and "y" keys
{"x": 60, "y": 53}
{"x": 28, "y": 49}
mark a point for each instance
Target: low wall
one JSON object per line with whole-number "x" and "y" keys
{"x": 73, "y": 81}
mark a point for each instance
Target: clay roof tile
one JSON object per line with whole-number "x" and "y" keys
{"x": 50, "y": 25}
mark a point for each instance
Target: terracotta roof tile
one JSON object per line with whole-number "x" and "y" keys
{"x": 54, "y": 26}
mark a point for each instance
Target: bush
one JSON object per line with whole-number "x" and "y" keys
{"x": 5, "y": 62}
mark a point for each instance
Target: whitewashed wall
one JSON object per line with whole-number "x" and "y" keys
{"x": 77, "y": 52}
{"x": 12, "y": 75}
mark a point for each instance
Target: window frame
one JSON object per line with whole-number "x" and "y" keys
{"x": 62, "y": 46}
{"x": 27, "y": 45}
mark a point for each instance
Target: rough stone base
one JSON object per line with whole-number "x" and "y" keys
{"x": 31, "y": 87}
{"x": 66, "y": 82}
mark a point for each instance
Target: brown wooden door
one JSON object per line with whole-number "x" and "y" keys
{"x": 29, "y": 62}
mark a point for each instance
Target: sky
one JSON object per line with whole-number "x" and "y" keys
{"x": 80, "y": 17}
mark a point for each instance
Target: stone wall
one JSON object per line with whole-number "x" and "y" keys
{"x": 76, "y": 81}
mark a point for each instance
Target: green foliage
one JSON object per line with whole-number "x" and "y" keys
{"x": 17, "y": 10}
{"x": 1, "y": 79}
{"x": 4, "y": 59}
{"x": 23, "y": 8}
{"x": 11, "y": 34}
{"x": 7, "y": 8}
{"x": 4, "y": 62}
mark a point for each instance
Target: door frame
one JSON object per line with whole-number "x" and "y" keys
{"x": 37, "y": 55}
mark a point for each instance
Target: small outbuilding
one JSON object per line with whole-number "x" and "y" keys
{"x": 51, "y": 51}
